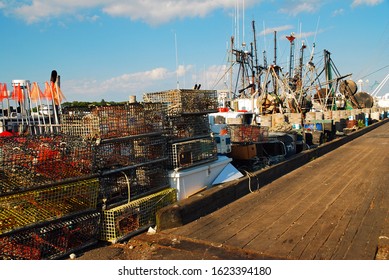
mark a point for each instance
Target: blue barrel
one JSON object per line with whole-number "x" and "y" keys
{"x": 319, "y": 126}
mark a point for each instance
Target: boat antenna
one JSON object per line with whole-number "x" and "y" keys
{"x": 303, "y": 46}
{"x": 314, "y": 42}
{"x": 231, "y": 68}
{"x": 291, "y": 39}
{"x": 255, "y": 47}
{"x": 275, "y": 47}
{"x": 243, "y": 25}
{"x": 237, "y": 23}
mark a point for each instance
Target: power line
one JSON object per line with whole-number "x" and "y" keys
{"x": 374, "y": 72}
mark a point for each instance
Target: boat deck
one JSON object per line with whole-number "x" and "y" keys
{"x": 334, "y": 207}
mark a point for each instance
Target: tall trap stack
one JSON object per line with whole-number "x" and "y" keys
{"x": 129, "y": 154}
{"x": 179, "y": 102}
{"x": 187, "y": 125}
{"x": 55, "y": 189}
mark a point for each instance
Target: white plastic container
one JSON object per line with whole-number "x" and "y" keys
{"x": 192, "y": 180}
{"x": 223, "y": 144}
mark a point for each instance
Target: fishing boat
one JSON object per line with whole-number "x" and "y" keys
{"x": 270, "y": 115}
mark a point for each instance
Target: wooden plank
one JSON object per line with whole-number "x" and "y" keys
{"x": 340, "y": 216}
{"x": 354, "y": 234}
{"x": 364, "y": 245}
{"x": 314, "y": 227}
{"x": 292, "y": 228}
{"x": 337, "y": 217}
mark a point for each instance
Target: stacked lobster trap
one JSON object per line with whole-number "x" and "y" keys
{"x": 245, "y": 133}
{"x": 51, "y": 239}
{"x": 187, "y": 126}
{"x": 112, "y": 121}
{"x": 129, "y": 154}
{"x": 134, "y": 216}
{"x": 62, "y": 192}
{"x": 47, "y": 184}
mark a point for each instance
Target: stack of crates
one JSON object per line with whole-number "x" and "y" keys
{"x": 187, "y": 126}
{"x": 129, "y": 154}
{"x": 320, "y": 127}
{"x": 48, "y": 197}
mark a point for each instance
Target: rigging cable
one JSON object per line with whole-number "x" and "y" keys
{"x": 374, "y": 72}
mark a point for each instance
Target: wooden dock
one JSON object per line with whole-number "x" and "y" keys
{"x": 334, "y": 207}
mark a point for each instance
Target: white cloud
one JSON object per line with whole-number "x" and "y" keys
{"x": 271, "y": 30}
{"x": 149, "y": 11}
{"x": 304, "y": 35}
{"x": 366, "y": 2}
{"x": 296, "y": 7}
{"x": 120, "y": 87}
{"x": 182, "y": 70}
{"x": 115, "y": 88}
{"x": 217, "y": 76}
{"x": 153, "y": 12}
{"x": 338, "y": 12}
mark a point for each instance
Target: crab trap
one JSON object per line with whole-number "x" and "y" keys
{"x": 131, "y": 218}
{"x": 118, "y": 186}
{"x": 123, "y": 152}
{"x": 31, "y": 161}
{"x": 51, "y": 240}
{"x": 185, "y": 101}
{"x": 106, "y": 122}
{"x": 190, "y": 153}
{"x": 248, "y": 133}
{"x": 34, "y": 206}
{"x": 187, "y": 126}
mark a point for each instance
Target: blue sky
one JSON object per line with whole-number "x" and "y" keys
{"x": 110, "y": 49}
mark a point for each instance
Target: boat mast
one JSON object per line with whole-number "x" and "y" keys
{"x": 230, "y": 92}
{"x": 276, "y": 69}
{"x": 256, "y": 67}
{"x": 303, "y": 46}
{"x": 291, "y": 56}
{"x": 275, "y": 48}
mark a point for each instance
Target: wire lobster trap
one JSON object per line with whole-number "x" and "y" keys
{"x": 190, "y": 153}
{"x": 185, "y": 101}
{"x": 248, "y": 133}
{"x": 113, "y": 121}
{"x": 131, "y": 218}
{"x": 187, "y": 126}
{"x": 119, "y": 186}
{"x": 39, "y": 205}
{"x": 30, "y": 161}
{"x": 123, "y": 152}
{"x": 154, "y": 115}
{"x": 52, "y": 240}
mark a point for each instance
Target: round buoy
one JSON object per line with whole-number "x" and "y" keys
{"x": 364, "y": 99}
{"x": 348, "y": 87}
